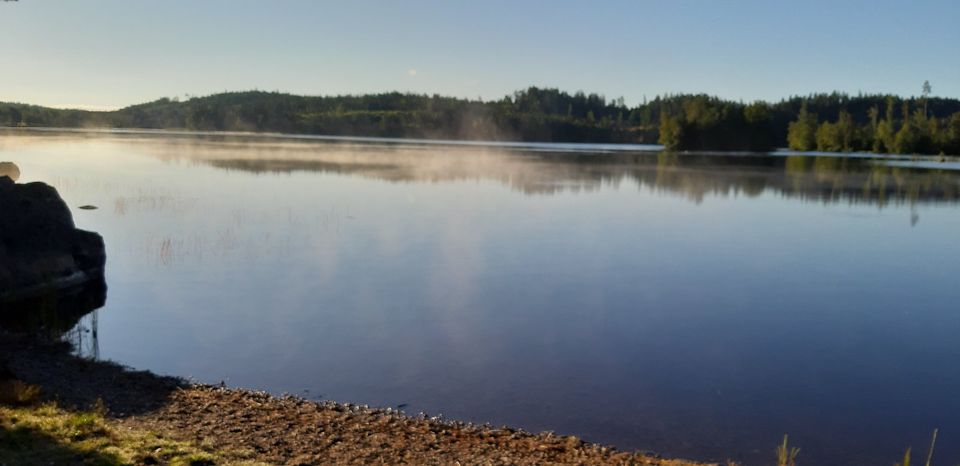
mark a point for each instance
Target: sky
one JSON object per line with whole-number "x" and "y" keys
{"x": 112, "y": 53}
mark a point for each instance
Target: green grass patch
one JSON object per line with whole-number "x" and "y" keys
{"x": 47, "y": 434}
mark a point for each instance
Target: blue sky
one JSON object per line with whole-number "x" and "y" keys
{"x": 112, "y": 53}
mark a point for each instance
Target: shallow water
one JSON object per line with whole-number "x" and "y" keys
{"x": 696, "y": 305}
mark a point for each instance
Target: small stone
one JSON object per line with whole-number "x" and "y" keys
{"x": 9, "y": 170}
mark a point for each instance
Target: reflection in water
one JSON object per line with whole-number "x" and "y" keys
{"x": 820, "y": 178}
{"x": 151, "y": 202}
{"x": 68, "y": 314}
{"x": 873, "y": 179}
{"x": 578, "y": 292}
{"x": 830, "y": 179}
{"x": 84, "y": 337}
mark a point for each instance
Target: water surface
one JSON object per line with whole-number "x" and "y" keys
{"x": 698, "y": 305}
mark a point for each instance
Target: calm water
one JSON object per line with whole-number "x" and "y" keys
{"x": 695, "y": 305}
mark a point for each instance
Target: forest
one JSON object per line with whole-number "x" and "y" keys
{"x": 834, "y": 122}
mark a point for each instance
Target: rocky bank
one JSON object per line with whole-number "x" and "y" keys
{"x": 289, "y": 430}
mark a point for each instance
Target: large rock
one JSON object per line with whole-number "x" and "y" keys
{"x": 41, "y": 251}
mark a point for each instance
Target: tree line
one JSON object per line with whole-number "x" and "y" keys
{"x": 830, "y": 122}
{"x": 909, "y": 130}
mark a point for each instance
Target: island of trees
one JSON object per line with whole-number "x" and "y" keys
{"x": 833, "y": 122}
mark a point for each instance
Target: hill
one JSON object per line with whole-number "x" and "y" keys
{"x": 832, "y": 122}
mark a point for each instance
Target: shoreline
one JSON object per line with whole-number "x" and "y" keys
{"x": 286, "y": 429}
{"x": 932, "y": 161}
{"x": 575, "y": 147}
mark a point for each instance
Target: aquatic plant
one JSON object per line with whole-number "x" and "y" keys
{"x": 906, "y": 459}
{"x": 786, "y": 455}
{"x": 933, "y": 443}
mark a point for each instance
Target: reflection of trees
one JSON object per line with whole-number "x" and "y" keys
{"x": 826, "y": 179}
{"x": 695, "y": 176}
{"x": 858, "y": 180}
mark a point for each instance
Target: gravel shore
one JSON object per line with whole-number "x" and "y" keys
{"x": 289, "y": 430}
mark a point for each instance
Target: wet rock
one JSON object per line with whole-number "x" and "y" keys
{"x": 41, "y": 251}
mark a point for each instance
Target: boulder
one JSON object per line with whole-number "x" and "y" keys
{"x": 41, "y": 250}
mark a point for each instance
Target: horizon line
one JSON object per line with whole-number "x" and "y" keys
{"x": 188, "y": 97}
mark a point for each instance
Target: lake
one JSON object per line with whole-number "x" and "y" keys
{"x": 696, "y": 305}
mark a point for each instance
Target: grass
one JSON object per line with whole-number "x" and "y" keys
{"x": 45, "y": 434}
{"x": 787, "y": 456}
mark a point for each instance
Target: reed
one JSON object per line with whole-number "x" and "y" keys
{"x": 787, "y": 455}
{"x": 933, "y": 443}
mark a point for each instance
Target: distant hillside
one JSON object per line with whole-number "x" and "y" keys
{"x": 681, "y": 122}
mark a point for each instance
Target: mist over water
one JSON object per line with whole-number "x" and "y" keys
{"x": 698, "y": 305}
